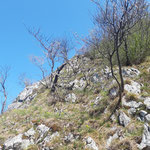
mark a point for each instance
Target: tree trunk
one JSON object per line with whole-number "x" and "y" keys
{"x": 120, "y": 89}
{"x": 120, "y": 70}
{"x": 4, "y": 103}
{"x": 54, "y": 82}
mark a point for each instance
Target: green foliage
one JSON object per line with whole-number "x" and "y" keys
{"x": 138, "y": 44}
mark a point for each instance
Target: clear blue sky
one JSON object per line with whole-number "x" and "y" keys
{"x": 54, "y": 17}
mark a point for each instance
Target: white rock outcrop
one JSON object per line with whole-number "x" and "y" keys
{"x": 145, "y": 138}
{"x": 134, "y": 87}
{"x": 142, "y": 115}
{"x": 90, "y": 143}
{"x": 42, "y": 129}
{"x": 79, "y": 84}
{"x": 69, "y": 138}
{"x": 131, "y": 103}
{"x": 25, "y": 96}
{"x": 130, "y": 72}
{"x": 124, "y": 120}
{"x": 30, "y": 133}
{"x": 17, "y": 143}
{"x": 71, "y": 98}
{"x": 147, "y": 102}
{"x": 147, "y": 117}
{"x": 110, "y": 139}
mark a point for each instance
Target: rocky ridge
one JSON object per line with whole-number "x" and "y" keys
{"x": 37, "y": 120}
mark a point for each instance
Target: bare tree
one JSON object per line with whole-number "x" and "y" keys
{"x": 24, "y": 81}
{"x": 3, "y": 90}
{"x": 55, "y": 51}
{"x": 39, "y": 62}
{"x": 115, "y": 19}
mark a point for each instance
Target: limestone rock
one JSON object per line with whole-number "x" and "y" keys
{"x": 42, "y": 129}
{"x": 113, "y": 92}
{"x": 14, "y": 105}
{"x": 124, "y": 120}
{"x": 130, "y": 72}
{"x": 134, "y": 88}
{"x": 90, "y": 143}
{"x": 147, "y": 102}
{"x": 26, "y": 95}
{"x": 147, "y": 117}
{"x": 30, "y": 133}
{"x": 145, "y": 138}
{"x": 110, "y": 139}
{"x": 51, "y": 137}
{"x": 17, "y": 143}
{"x": 131, "y": 104}
{"x": 132, "y": 111}
{"x": 71, "y": 97}
{"x": 69, "y": 138}
{"x": 142, "y": 115}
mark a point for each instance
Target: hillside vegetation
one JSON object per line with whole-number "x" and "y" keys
{"x": 99, "y": 99}
{"x": 77, "y": 118}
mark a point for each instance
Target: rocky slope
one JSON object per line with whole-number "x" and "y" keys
{"x": 75, "y": 117}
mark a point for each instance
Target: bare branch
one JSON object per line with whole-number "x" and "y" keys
{"x": 4, "y": 72}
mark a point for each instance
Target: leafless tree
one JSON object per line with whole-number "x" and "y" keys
{"x": 115, "y": 19}
{"x": 39, "y": 62}
{"x": 56, "y": 52}
{"x": 24, "y": 81}
{"x": 3, "y": 90}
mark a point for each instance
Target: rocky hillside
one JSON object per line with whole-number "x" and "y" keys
{"x": 75, "y": 118}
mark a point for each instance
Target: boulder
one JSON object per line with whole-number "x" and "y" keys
{"x": 147, "y": 102}
{"x": 145, "y": 138}
{"x": 110, "y": 139}
{"x": 51, "y": 137}
{"x": 132, "y": 111}
{"x": 78, "y": 84}
{"x": 142, "y": 115}
{"x": 90, "y": 143}
{"x": 17, "y": 143}
{"x": 69, "y": 138}
{"x": 131, "y": 104}
{"x": 134, "y": 87}
{"x": 147, "y": 117}
{"x": 113, "y": 92}
{"x": 26, "y": 94}
{"x": 124, "y": 120}
{"x": 30, "y": 133}
{"x": 71, "y": 98}
{"x": 130, "y": 72}
{"x": 42, "y": 129}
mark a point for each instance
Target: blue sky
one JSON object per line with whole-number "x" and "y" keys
{"x": 54, "y": 17}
